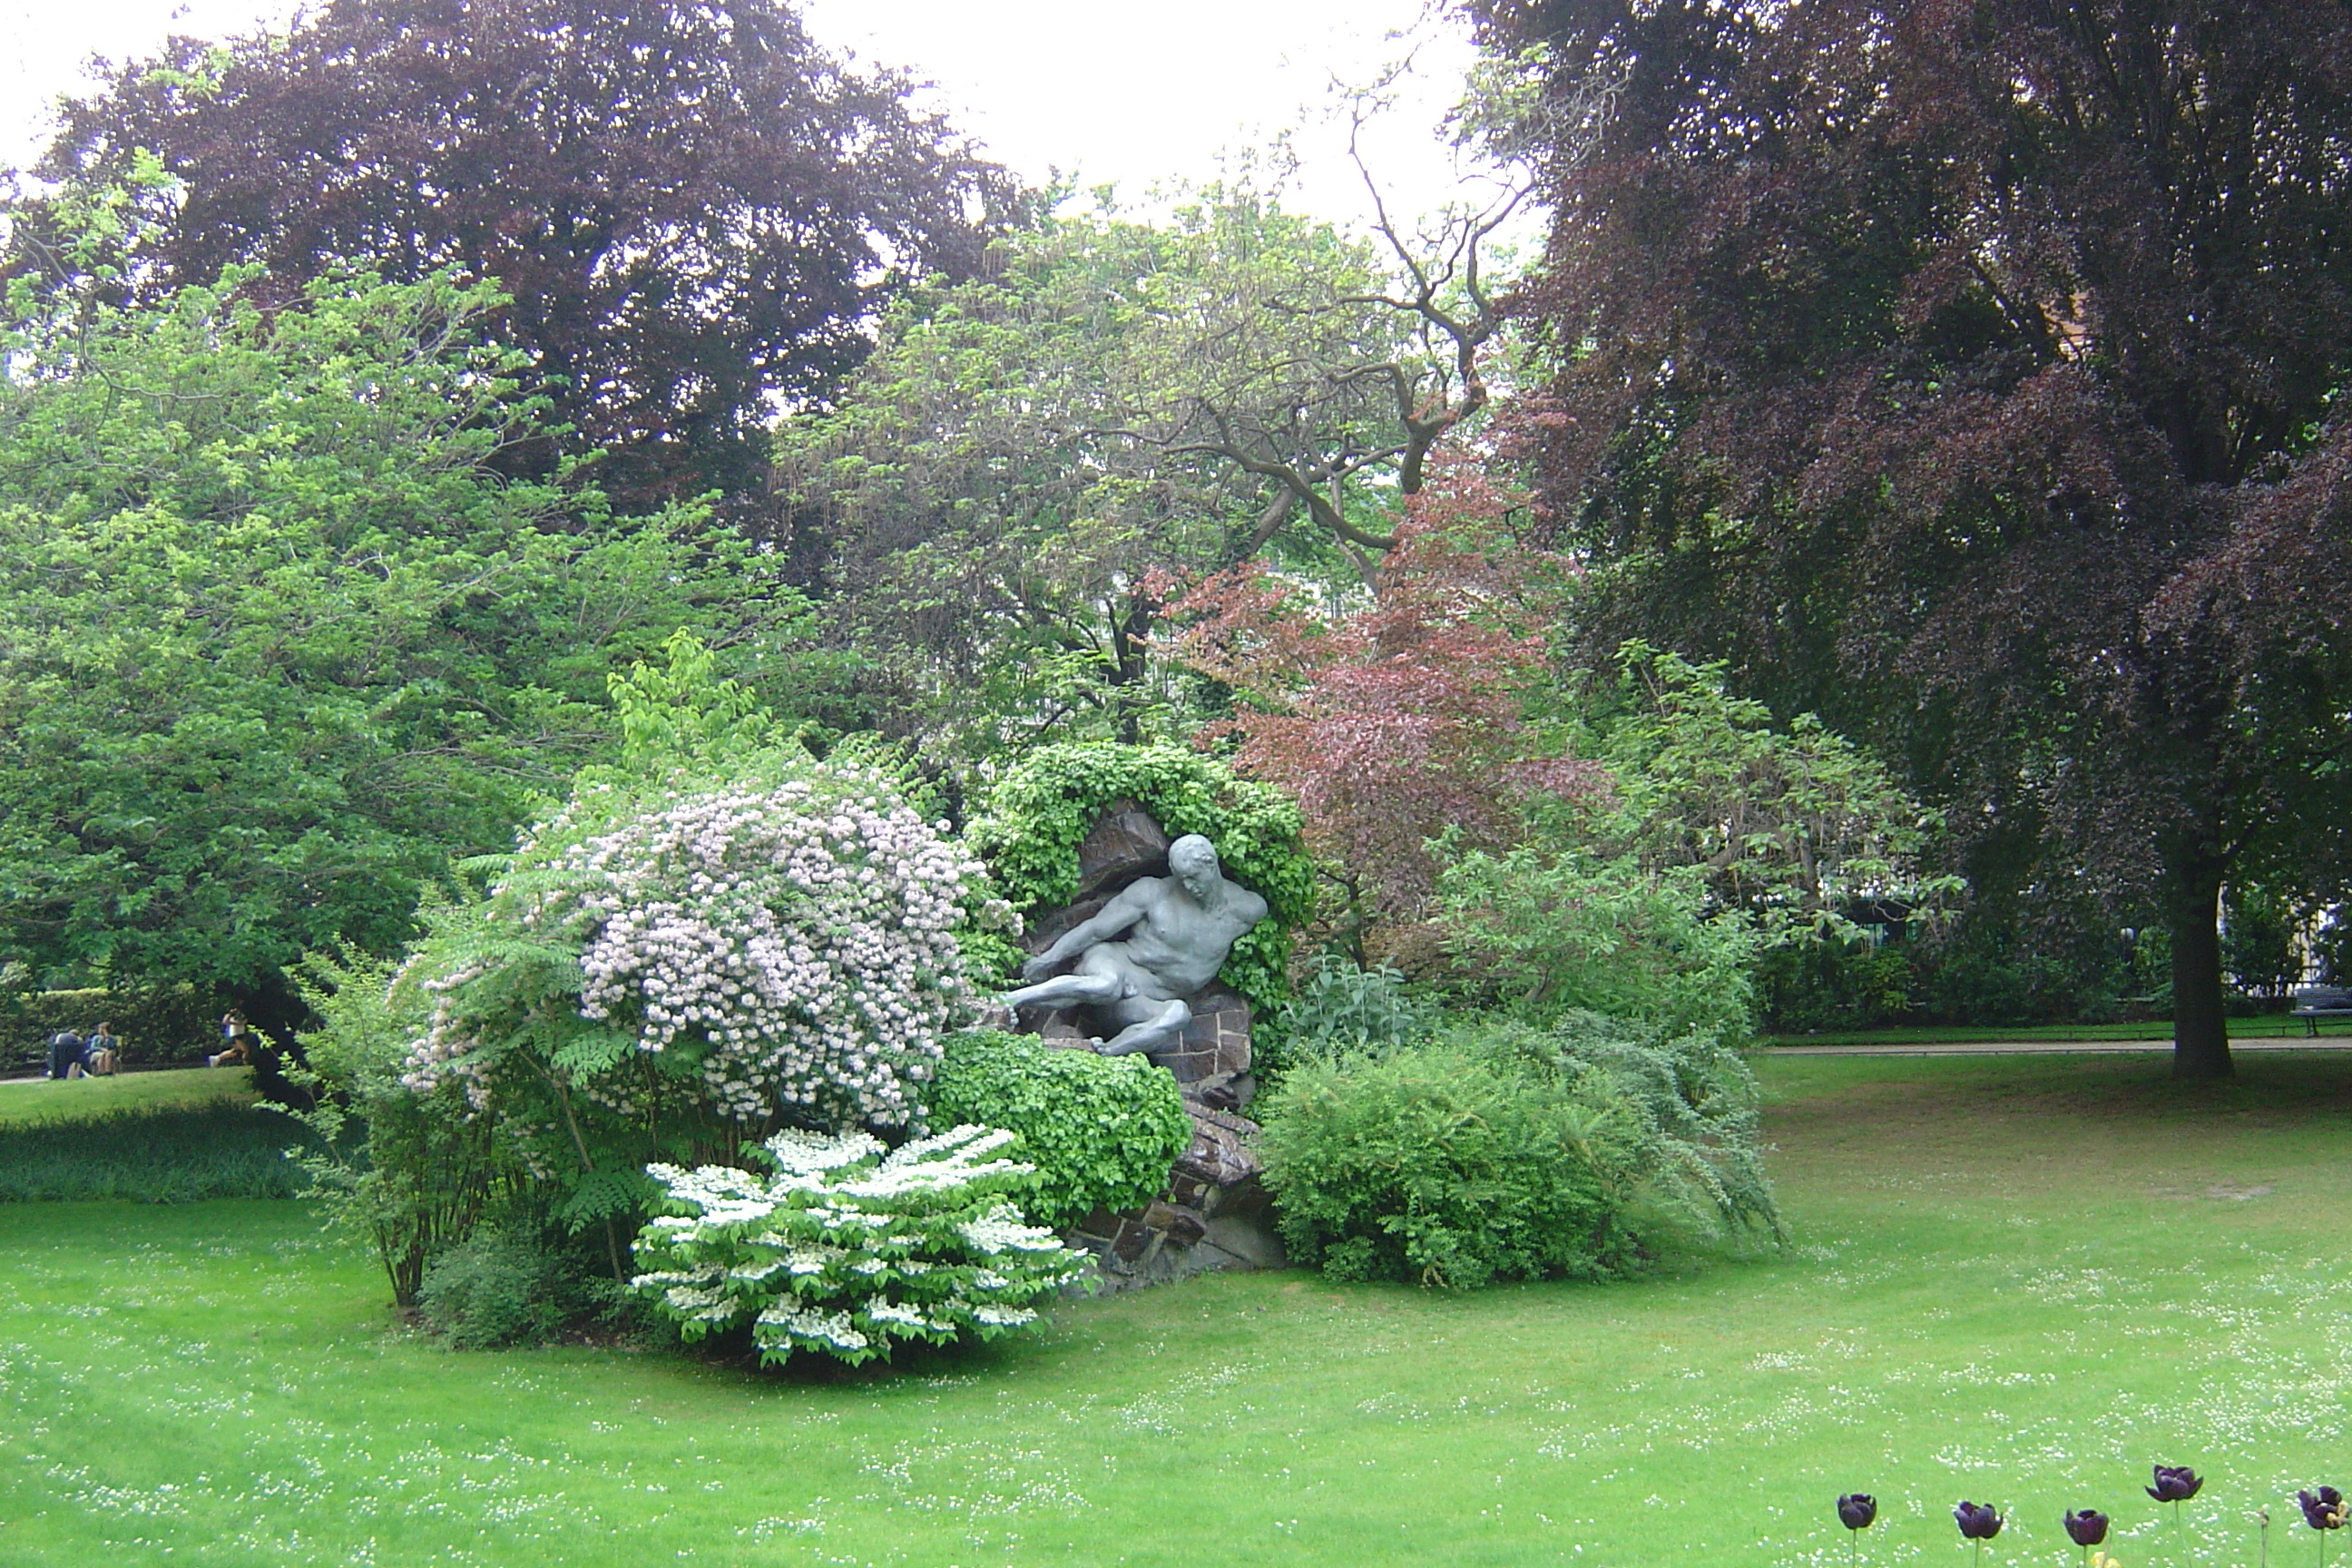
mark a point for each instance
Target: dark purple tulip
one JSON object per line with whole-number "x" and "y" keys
{"x": 2175, "y": 1483}
{"x": 2087, "y": 1528}
{"x": 1978, "y": 1521}
{"x": 1856, "y": 1510}
{"x": 2323, "y": 1509}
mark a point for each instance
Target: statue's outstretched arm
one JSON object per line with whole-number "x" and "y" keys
{"x": 1122, "y": 911}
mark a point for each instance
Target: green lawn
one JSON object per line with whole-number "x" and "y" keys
{"x": 26, "y": 1101}
{"x": 2020, "y": 1280}
{"x": 2260, "y": 1027}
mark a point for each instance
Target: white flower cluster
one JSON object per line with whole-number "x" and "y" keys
{"x": 800, "y": 931}
{"x": 446, "y": 1051}
{"x": 848, "y": 1247}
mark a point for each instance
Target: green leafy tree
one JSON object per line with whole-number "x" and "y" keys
{"x": 1789, "y": 825}
{"x": 996, "y": 508}
{"x": 276, "y": 642}
{"x": 1722, "y": 836}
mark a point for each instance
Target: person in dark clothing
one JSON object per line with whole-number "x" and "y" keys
{"x": 65, "y": 1053}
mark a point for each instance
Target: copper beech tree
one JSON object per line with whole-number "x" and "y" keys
{"x": 698, "y": 213}
{"x": 1968, "y": 372}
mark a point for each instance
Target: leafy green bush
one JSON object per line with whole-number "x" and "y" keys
{"x": 1046, "y": 805}
{"x": 2260, "y": 941}
{"x": 495, "y": 1288}
{"x": 670, "y": 967}
{"x": 1442, "y": 1166}
{"x": 1831, "y": 983}
{"x": 1547, "y": 931}
{"x": 847, "y": 1247}
{"x": 1343, "y": 1007}
{"x": 503, "y": 1284}
{"x": 1505, "y": 1152}
{"x": 1102, "y": 1131}
{"x": 1982, "y": 977}
{"x": 428, "y": 1166}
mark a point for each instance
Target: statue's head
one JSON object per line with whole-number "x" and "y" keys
{"x": 1193, "y": 860}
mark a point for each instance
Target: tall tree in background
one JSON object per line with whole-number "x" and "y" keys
{"x": 1966, "y": 371}
{"x": 988, "y": 506}
{"x": 277, "y": 646}
{"x": 695, "y": 213}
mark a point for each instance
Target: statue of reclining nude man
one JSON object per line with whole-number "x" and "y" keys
{"x": 1151, "y": 950}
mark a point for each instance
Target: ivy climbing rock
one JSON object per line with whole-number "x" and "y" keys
{"x": 1213, "y": 1213}
{"x": 1065, "y": 832}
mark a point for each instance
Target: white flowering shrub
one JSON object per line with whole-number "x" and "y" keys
{"x": 787, "y": 941}
{"x": 848, "y": 1247}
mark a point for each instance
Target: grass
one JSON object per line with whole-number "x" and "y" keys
{"x": 159, "y": 1137}
{"x": 2020, "y": 1280}
{"x": 2260, "y": 1027}
{"x": 25, "y": 1100}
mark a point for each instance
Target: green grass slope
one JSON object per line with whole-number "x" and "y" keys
{"x": 26, "y": 1101}
{"x": 2021, "y": 1281}
{"x": 159, "y": 1137}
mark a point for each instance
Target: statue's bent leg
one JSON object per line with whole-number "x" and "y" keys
{"x": 1164, "y": 1027}
{"x": 1079, "y": 990}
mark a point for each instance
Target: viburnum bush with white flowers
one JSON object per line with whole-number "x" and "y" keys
{"x": 788, "y": 940}
{"x": 848, "y": 1247}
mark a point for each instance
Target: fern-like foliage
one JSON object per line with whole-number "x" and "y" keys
{"x": 1500, "y": 1151}
{"x": 1692, "y": 1099}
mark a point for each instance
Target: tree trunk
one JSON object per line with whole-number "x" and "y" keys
{"x": 2200, "y": 1031}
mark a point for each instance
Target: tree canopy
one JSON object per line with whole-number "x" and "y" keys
{"x": 276, "y": 643}
{"x": 1966, "y": 373}
{"x": 695, "y": 214}
{"x": 1014, "y": 480}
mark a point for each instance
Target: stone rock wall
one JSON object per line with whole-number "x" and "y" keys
{"x": 1214, "y": 1213}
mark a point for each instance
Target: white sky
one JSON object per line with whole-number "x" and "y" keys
{"x": 1114, "y": 92}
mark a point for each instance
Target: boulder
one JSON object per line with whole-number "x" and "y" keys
{"x": 1125, "y": 843}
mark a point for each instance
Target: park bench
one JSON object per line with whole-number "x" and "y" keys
{"x": 2312, "y": 1002}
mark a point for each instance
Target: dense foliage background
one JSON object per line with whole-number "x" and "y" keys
{"x": 583, "y": 566}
